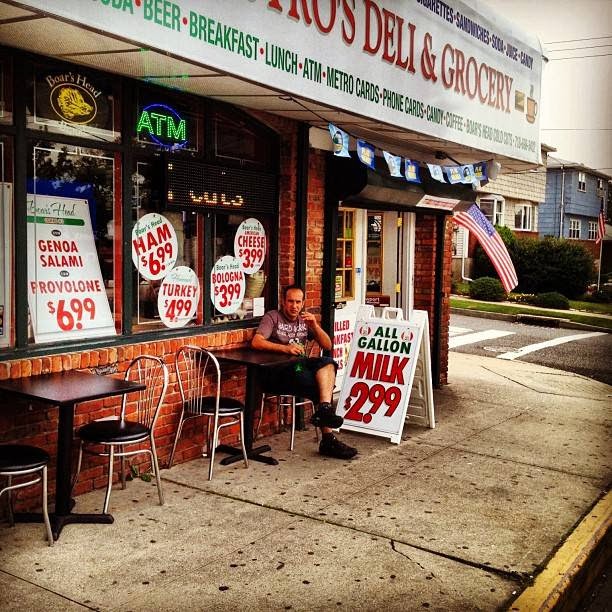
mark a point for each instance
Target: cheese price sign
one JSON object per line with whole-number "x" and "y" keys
{"x": 378, "y": 379}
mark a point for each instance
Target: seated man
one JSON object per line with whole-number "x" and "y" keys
{"x": 286, "y": 331}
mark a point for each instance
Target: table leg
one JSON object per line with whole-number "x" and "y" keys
{"x": 252, "y": 399}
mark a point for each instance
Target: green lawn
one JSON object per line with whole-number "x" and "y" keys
{"x": 591, "y": 307}
{"x": 576, "y": 317}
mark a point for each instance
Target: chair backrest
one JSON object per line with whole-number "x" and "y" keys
{"x": 199, "y": 375}
{"x": 153, "y": 372}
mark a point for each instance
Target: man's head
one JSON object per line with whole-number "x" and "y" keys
{"x": 292, "y": 301}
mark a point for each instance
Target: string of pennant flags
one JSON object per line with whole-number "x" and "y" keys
{"x": 406, "y": 168}
{"x": 472, "y": 174}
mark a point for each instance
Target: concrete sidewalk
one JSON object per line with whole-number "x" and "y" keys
{"x": 460, "y": 517}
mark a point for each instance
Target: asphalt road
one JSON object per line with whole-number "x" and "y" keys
{"x": 569, "y": 350}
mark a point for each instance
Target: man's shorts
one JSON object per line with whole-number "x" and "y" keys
{"x": 297, "y": 378}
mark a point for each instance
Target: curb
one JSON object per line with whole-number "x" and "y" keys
{"x": 530, "y": 320}
{"x": 575, "y": 567}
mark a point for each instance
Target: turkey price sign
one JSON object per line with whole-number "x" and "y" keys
{"x": 178, "y": 297}
{"x": 154, "y": 246}
{"x": 66, "y": 293}
{"x": 227, "y": 284}
{"x": 250, "y": 245}
{"x": 379, "y": 375}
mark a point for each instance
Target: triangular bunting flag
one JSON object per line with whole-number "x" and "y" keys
{"x": 394, "y": 162}
{"x": 411, "y": 171}
{"x": 366, "y": 153}
{"x": 340, "y": 141}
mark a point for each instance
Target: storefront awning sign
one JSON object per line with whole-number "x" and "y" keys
{"x": 438, "y": 68}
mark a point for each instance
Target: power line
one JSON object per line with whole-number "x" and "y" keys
{"x": 579, "y": 48}
{"x": 554, "y": 42}
{"x": 556, "y": 59}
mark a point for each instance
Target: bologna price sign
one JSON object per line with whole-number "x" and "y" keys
{"x": 66, "y": 293}
{"x": 154, "y": 246}
{"x": 379, "y": 374}
{"x": 227, "y": 284}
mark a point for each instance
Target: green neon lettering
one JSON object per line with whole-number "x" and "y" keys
{"x": 144, "y": 122}
{"x": 177, "y": 132}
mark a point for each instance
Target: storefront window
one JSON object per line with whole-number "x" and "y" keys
{"x": 72, "y": 100}
{"x": 239, "y": 287}
{"x": 6, "y": 238}
{"x": 71, "y": 235}
{"x": 174, "y": 241}
{"x": 345, "y": 268}
{"x": 6, "y": 94}
{"x": 167, "y": 123}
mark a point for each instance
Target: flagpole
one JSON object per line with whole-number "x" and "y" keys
{"x": 599, "y": 272}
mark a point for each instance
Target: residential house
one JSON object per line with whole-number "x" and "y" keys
{"x": 575, "y": 195}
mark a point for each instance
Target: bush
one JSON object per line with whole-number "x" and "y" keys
{"x": 552, "y": 299}
{"x": 553, "y": 265}
{"x": 460, "y": 288}
{"x": 542, "y": 266}
{"x": 487, "y": 289}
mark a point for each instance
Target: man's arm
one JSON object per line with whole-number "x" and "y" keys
{"x": 318, "y": 333}
{"x": 261, "y": 344}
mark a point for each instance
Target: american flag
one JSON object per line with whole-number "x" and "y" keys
{"x": 601, "y": 227}
{"x": 474, "y": 221}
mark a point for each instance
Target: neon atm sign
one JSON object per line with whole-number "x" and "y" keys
{"x": 162, "y": 125}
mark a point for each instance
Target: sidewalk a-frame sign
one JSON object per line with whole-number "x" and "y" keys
{"x": 382, "y": 363}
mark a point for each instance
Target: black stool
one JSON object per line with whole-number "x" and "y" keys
{"x": 22, "y": 460}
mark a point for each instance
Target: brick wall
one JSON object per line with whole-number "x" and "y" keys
{"x": 424, "y": 281}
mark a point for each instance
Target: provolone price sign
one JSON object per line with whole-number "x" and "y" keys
{"x": 227, "y": 284}
{"x": 376, "y": 388}
{"x": 66, "y": 292}
{"x": 178, "y": 297}
{"x": 250, "y": 245}
{"x": 154, "y": 246}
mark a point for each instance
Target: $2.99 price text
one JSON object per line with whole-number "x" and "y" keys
{"x": 70, "y": 313}
{"x": 373, "y": 398}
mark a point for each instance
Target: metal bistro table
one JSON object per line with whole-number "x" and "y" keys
{"x": 65, "y": 390}
{"x": 254, "y": 361}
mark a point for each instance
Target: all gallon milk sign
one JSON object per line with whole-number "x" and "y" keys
{"x": 376, "y": 389}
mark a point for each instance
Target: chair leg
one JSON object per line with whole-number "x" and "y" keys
{"x": 156, "y": 470}
{"x": 9, "y": 499}
{"x": 111, "y": 460}
{"x": 292, "y": 423}
{"x": 260, "y": 419}
{"x": 78, "y": 467}
{"x": 176, "y": 439}
{"x": 214, "y": 447}
{"x": 244, "y": 453}
{"x": 45, "y": 510}
{"x": 208, "y": 446}
{"x": 122, "y": 467}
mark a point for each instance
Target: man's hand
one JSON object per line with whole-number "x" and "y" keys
{"x": 309, "y": 319}
{"x": 294, "y": 348}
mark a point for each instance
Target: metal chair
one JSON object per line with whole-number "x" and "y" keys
{"x": 119, "y": 432}
{"x": 198, "y": 371}
{"x": 286, "y": 403}
{"x": 24, "y": 460}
